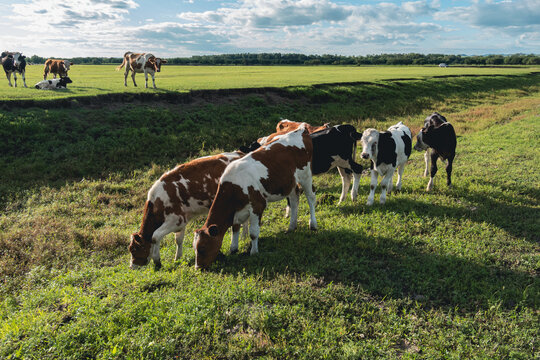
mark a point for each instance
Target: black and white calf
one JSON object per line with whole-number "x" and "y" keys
{"x": 438, "y": 139}
{"x": 14, "y": 62}
{"x": 335, "y": 147}
{"x": 53, "y": 84}
{"x": 388, "y": 151}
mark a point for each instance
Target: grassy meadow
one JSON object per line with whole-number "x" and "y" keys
{"x": 91, "y": 80}
{"x": 451, "y": 274}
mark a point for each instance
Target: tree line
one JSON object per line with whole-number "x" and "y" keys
{"x": 301, "y": 59}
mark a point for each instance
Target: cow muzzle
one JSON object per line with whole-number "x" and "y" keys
{"x": 365, "y": 156}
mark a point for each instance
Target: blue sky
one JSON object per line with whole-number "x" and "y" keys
{"x": 184, "y": 28}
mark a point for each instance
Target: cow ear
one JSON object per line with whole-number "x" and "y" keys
{"x": 163, "y": 61}
{"x": 213, "y": 230}
{"x": 70, "y": 63}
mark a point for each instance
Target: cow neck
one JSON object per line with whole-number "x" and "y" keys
{"x": 225, "y": 205}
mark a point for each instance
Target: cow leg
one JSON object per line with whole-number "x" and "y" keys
{"x": 8, "y": 75}
{"x": 179, "y": 239}
{"x": 23, "y": 74}
{"x": 426, "y": 159}
{"x": 126, "y": 73}
{"x": 310, "y": 195}
{"x": 254, "y": 231}
{"x": 133, "y": 77}
{"x": 449, "y": 171}
{"x": 372, "y": 187}
{"x": 386, "y": 183}
{"x": 401, "y": 168}
{"x": 293, "y": 199}
{"x": 153, "y": 80}
{"x": 145, "y": 79}
{"x": 345, "y": 183}
{"x": 234, "y": 238}
{"x": 434, "y": 157}
{"x": 157, "y": 236}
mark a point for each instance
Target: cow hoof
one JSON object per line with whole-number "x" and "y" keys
{"x": 312, "y": 228}
{"x": 157, "y": 265}
{"x": 234, "y": 251}
{"x": 369, "y": 202}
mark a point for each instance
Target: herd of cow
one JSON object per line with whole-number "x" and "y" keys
{"x": 234, "y": 188}
{"x": 15, "y": 62}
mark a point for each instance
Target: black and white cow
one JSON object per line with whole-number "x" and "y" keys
{"x": 53, "y": 84}
{"x": 388, "y": 151}
{"x": 438, "y": 139}
{"x": 335, "y": 147}
{"x": 14, "y": 62}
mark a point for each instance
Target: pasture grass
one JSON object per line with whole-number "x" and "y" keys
{"x": 447, "y": 274}
{"x": 92, "y": 80}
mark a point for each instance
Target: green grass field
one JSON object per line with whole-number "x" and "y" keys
{"x": 90, "y": 80}
{"x": 451, "y": 274}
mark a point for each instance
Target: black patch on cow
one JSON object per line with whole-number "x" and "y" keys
{"x": 337, "y": 141}
{"x": 408, "y": 144}
{"x": 442, "y": 139}
{"x": 386, "y": 150}
{"x": 50, "y": 82}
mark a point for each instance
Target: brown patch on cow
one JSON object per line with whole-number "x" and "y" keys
{"x": 282, "y": 162}
{"x": 229, "y": 199}
{"x": 288, "y": 126}
{"x": 53, "y": 66}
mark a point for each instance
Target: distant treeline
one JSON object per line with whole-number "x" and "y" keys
{"x": 300, "y": 59}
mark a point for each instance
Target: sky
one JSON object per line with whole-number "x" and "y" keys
{"x": 183, "y": 28}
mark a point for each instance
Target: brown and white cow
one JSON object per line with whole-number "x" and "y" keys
{"x": 178, "y": 196}
{"x": 141, "y": 63}
{"x": 56, "y": 67}
{"x": 265, "y": 175}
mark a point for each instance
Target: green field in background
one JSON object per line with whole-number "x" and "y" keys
{"x": 90, "y": 80}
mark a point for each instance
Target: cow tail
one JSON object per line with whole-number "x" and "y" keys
{"x": 46, "y": 70}
{"x": 123, "y": 63}
{"x": 150, "y": 222}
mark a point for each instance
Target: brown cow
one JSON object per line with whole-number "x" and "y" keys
{"x": 267, "y": 174}
{"x": 56, "y": 67}
{"x": 178, "y": 196}
{"x": 141, "y": 63}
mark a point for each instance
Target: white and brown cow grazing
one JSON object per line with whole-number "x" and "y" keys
{"x": 332, "y": 147}
{"x": 53, "y": 84}
{"x": 178, "y": 196}
{"x": 265, "y": 175}
{"x": 388, "y": 151}
{"x": 56, "y": 67}
{"x": 141, "y": 63}
{"x": 438, "y": 139}
{"x": 14, "y": 62}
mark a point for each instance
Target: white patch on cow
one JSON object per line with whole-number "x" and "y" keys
{"x": 245, "y": 172}
{"x": 67, "y": 64}
{"x": 293, "y": 139}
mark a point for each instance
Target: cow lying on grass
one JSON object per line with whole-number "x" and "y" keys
{"x": 388, "y": 151}
{"x": 53, "y": 84}
{"x": 438, "y": 139}
{"x": 178, "y": 196}
{"x": 265, "y": 175}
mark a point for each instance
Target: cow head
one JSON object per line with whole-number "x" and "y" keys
{"x": 67, "y": 65}
{"x": 17, "y": 59}
{"x": 156, "y": 63}
{"x": 64, "y": 81}
{"x": 370, "y": 141}
{"x": 420, "y": 144}
{"x": 207, "y": 242}
{"x": 140, "y": 251}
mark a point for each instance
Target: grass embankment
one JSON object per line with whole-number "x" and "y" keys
{"x": 92, "y": 80}
{"x": 451, "y": 274}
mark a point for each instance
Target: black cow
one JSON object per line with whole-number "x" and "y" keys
{"x": 14, "y": 62}
{"x": 332, "y": 147}
{"x": 388, "y": 151}
{"x": 438, "y": 139}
